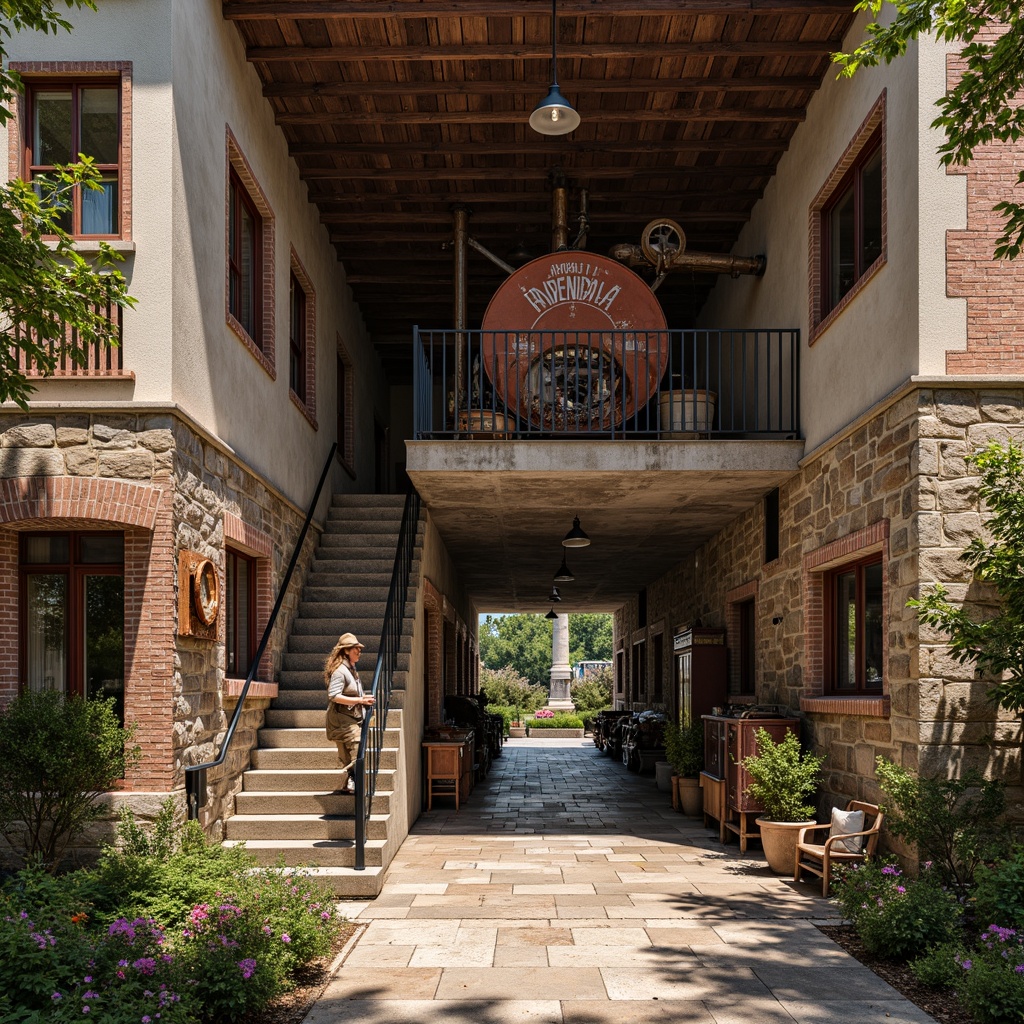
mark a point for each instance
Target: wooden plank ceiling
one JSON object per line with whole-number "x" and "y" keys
{"x": 394, "y": 110}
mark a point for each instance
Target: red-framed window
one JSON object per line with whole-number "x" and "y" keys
{"x": 746, "y": 678}
{"x": 852, "y": 230}
{"x": 245, "y": 260}
{"x": 854, "y": 624}
{"x": 297, "y": 338}
{"x": 71, "y": 591}
{"x": 240, "y": 613}
{"x": 68, "y": 117}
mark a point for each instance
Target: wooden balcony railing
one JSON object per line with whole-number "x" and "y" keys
{"x": 102, "y": 360}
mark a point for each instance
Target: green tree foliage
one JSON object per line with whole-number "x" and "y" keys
{"x": 46, "y": 287}
{"x": 593, "y": 692}
{"x": 983, "y": 106}
{"x": 995, "y": 644}
{"x": 590, "y": 637}
{"x": 522, "y": 642}
{"x": 57, "y": 755}
{"x": 504, "y": 687}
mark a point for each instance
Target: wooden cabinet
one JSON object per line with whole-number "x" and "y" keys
{"x": 727, "y": 741}
{"x": 448, "y": 768}
{"x": 701, "y": 672}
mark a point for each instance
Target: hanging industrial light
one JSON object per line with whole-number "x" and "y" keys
{"x": 551, "y": 614}
{"x": 554, "y": 595}
{"x": 576, "y": 538}
{"x": 554, "y": 114}
{"x": 564, "y": 574}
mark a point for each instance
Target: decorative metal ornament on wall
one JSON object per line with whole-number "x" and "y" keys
{"x": 602, "y": 351}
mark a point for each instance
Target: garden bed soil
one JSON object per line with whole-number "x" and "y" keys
{"x": 942, "y": 1004}
{"x": 310, "y": 983}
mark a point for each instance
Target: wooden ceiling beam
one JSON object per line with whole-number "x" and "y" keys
{"x": 542, "y": 147}
{"x": 305, "y": 10}
{"x": 577, "y": 174}
{"x": 537, "y": 197}
{"x": 780, "y": 83}
{"x": 464, "y": 54}
{"x": 513, "y": 217}
{"x": 689, "y": 115}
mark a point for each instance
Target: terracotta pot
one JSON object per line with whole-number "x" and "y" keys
{"x": 690, "y": 797}
{"x": 663, "y": 776}
{"x": 675, "y": 793}
{"x": 517, "y": 732}
{"x": 778, "y": 839}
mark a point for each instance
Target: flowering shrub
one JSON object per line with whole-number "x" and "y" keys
{"x": 991, "y": 983}
{"x": 559, "y": 720}
{"x": 896, "y": 916}
{"x": 544, "y": 713}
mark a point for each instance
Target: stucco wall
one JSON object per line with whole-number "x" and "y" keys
{"x": 876, "y": 342}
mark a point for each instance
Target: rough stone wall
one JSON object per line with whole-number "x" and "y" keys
{"x": 169, "y": 488}
{"x": 896, "y": 482}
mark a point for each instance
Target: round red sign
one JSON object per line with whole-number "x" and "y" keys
{"x": 575, "y": 342}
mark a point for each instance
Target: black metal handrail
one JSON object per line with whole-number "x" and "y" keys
{"x": 195, "y": 774}
{"x": 371, "y": 738}
{"x": 606, "y": 385}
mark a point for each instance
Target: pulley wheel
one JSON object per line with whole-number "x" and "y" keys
{"x": 662, "y": 241}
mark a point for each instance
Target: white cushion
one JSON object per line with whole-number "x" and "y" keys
{"x": 844, "y": 822}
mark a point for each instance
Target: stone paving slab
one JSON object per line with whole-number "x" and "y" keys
{"x": 567, "y": 891}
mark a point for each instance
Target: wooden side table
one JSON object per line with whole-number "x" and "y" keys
{"x": 444, "y": 770}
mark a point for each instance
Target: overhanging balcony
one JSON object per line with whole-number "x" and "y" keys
{"x": 606, "y": 385}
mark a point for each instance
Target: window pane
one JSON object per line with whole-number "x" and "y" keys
{"x": 61, "y": 198}
{"x": 106, "y": 549}
{"x": 871, "y": 211}
{"x": 46, "y": 614}
{"x": 247, "y": 270}
{"x": 842, "y": 268}
{"x": 238, "y": 578}
{"x": 100, "y": 127}
{"x": 51, "y": 549}
{"x": 873, "y": 626}
{"x": 103, "y": 639}
{"x": 51, "y": 130}
{"x": 99, "y": 208}
{"x": 846, "y": 630}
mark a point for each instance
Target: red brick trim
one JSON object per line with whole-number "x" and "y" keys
{"x": 308, "y": 408}
{"x": 233, "y": 688}
{"x": 733, "y": 599}
{"x": 819, "y": 324}
{"x": 237, "y": 161}
{"x": 144, "y": 513}
{"x": 815, "y": 563}
{"x": 77, "y": 69}
{"x": 433, "y": 605}
{"x": 251, "y": 541}
{"x": 866, "y": 707}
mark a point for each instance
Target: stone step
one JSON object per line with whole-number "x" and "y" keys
{"x": 274, "y": 739}
{"x": 296, "y": 718}
{"x": 334, "y": 575}
{"x": 350, "y": 620}
{"x": 347, "y": 500}
{"x": 328, "y": 631}
{"x": 316, "y": 699}
{"x": 372, "y": 545}
{"x": 365, "y": 563}
{"x": 313, "y": 661}
{"x": 270, "y": 802}
{"x": 302, "y": 826}
{"x": 323, "y": 853}
{"x": 336, "y": 607}
{"x": 322, "y": 758}
{"x": 347, "y": 883}
{"x": 314, "y": 780}
{"x": 313, "y": 679}
{"x": 375, "y": 594}
{"x": 359, "y": 537}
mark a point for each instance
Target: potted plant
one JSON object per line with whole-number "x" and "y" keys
{"x": 684, "y": 748}
{"x": 782, "y": 779}
{"x": 516, "y": 729}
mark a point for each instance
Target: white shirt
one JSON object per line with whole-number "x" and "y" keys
{"x": 345, "y": 682}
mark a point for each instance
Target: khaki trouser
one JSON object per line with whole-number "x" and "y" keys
{"x": 344, "y": 729}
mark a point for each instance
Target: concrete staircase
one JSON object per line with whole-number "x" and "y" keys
{"x": 288, "y": 808}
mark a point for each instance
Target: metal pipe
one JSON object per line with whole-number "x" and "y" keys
{"x": 484, "y": 251}
{"x": 699, "y": 262}
{"x": 559, "y": 213}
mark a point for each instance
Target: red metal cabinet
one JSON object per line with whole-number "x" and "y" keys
{"x": 701, "y": 672}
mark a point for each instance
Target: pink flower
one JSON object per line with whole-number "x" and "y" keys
{"x": 285, "y": 938}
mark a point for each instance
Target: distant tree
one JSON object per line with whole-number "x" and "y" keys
{"x": 507, "y": 688}
{"x": 522, "y": 642}
{"x": 594, "y": 691}
{"x": 984, "y": 105}
{"x": 590, "y": 637}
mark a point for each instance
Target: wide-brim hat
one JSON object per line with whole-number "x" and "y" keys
{"x": 349, "y": 640}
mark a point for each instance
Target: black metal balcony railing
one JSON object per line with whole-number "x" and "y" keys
{"x": 655, "y": 385}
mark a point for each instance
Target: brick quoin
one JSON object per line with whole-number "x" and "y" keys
{"x": 144, "y": 513}
{"x": 992, "y": 288}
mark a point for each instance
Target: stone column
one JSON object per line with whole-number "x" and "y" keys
{"x": 561, "y": 674}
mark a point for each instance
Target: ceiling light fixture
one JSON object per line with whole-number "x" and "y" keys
{"x": 576, "y": 538}
{"x": 551, "y": 614}
{"x": 554, "y": 114}
{"x": 564, "y": 574}
{"x": 554, "y": 595}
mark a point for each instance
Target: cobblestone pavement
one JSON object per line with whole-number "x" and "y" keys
{"x": 568, "y": 891}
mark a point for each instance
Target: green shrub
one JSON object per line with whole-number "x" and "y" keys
{"x": 895, "y": 916}
{"x": 940, "y": 966}
{"x": 684, "y": 748}
{"x": 58, "y": 753}
{"x": 991, "y": 982}
{"x": 998, "y": 895}
{"x": 954, "y": 823}
{"x": 561, "y": 720}
{"x": 782, "y": 778}
{"x": 587, "y": 717}
{"x": 593, "y": 692}
{"x": 508, "y": 714}
{"x": 506, "y": 687}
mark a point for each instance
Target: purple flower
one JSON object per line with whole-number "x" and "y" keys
{"x": 285, "y": 938}
{"x": 56, "y": 997}
{"x": 90, "y": 995}
{"x": 966, "y": 964}
{"x": 88, "y": 979}
{"x": 891, "y": 869}
{"x": 901, "y": 889}
{"x": 145, "y": 965}
{"x": 86, "y": 1009}
{"x": 146, "y": 1019}
{"x": 325, "y": 915}
{"x": 1019, "y": 969}
{"x": 247, "y": 967}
